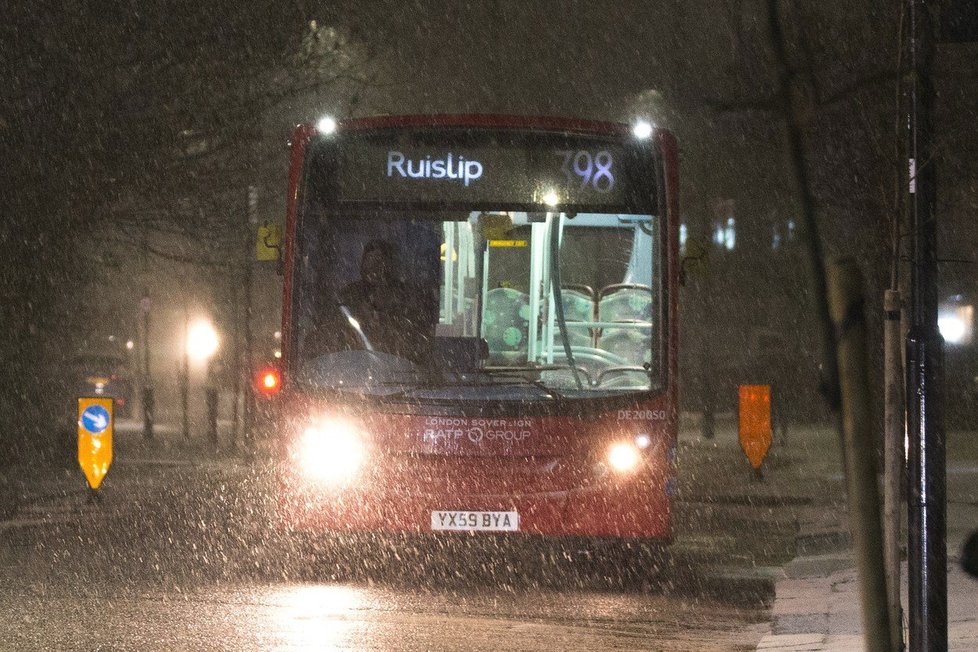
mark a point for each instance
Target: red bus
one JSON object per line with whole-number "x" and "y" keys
{"x": 479, "y": 330}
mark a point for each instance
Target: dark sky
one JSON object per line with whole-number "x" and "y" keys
{"x": 565, "y": 58}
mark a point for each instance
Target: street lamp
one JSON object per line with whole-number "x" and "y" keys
{"x": 200, "y": 344}
{"x": 202, "y": 341}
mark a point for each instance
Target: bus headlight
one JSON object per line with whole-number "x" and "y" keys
{"x": 623, "y": 457}
{"x": 330, "y": 452}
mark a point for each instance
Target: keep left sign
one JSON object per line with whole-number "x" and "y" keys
{"x": 95, "y": 438}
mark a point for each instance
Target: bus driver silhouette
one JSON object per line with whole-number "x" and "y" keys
{"x": 373, "y": 303}
{"x": 377, "y": 312}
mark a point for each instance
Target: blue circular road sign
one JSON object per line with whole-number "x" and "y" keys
{"x": 95, "y": 419}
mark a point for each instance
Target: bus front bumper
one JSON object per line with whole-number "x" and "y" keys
{"x": 486, "y": 502}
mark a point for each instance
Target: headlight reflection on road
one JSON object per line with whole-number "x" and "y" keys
{"x": 330, "y": 452}
{"x": 317, "y": 617}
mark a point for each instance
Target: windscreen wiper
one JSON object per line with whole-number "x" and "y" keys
{"x": 489, "y": 379}
{"x": 514, "y": 378}
{"x": 559, "y": 299}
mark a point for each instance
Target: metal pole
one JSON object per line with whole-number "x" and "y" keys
{"x": 185, "y": 377}
{"x": 927, "y": 509}
{"x": 211, "y": 400}
{"x": 893, "y": 460}
{"x": 704, "y": 353}
{"x": 148, "y": 399}
{"x": 846, "y": 310}
{"x": 149, "y": 403}
{"x": 236, "y": 369}
{"x": 249, "y": 410}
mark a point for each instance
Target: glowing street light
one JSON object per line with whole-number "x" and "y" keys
{"x": 202, "y": 341}
{"x": 200, "y": 344}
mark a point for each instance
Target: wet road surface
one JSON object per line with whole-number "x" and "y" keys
{"x": 181, "y": 558}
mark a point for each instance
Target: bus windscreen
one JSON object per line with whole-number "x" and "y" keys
{"x": 396, "y": 303}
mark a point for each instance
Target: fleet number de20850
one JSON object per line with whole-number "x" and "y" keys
{"x": 641, "y": 415}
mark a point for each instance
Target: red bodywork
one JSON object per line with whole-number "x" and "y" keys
{"x": 550, "y": 469}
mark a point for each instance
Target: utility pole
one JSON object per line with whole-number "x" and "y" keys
{"x": 927, "y": 500}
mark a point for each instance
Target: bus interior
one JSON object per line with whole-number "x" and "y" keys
{"x": 494, "y": 275}
{"x": 605, "y": 273}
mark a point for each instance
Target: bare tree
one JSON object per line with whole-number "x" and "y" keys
{"x": 129, "y": 124}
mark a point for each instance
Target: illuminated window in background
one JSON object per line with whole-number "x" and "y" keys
{"x": 724, "y": 226}
{"x": 718, "y": 235}
{"x": 683, "y": 237}
{"x": 781, "y": 235}
{"x": 730, "y": 234}
{"x": 725, "y": 235}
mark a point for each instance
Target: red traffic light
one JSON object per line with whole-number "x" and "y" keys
{"x": 269, "y": 381}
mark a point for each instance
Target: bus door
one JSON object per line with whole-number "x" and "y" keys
{"x": 515, "y": 266}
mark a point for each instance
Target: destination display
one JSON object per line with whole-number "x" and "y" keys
{"x": 579, "y": 172}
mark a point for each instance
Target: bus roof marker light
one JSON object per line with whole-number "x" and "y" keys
{"x": 326, "y": 125}
{"x": 551, "y": 198}
{"x": 643, "y": 129}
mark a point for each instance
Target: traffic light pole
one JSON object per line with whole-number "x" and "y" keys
{"x": 927, "y": 500}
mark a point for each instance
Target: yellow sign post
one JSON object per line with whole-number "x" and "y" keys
{"x": 95, "y": 438}
{"x": 268, "y": 245}
{"x": 754, "y": 422}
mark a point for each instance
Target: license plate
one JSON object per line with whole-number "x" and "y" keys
{"x": 475, "y": 521}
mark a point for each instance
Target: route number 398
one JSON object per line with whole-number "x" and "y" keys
{"x": 589, "y": 170}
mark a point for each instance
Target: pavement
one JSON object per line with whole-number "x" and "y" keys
{"x": 817, "y": 599}
{"x": 816, "y": 593}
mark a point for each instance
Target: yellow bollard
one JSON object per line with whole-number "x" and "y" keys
{"x": 754, "y": 422}
{"x": 95, "y": 438}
